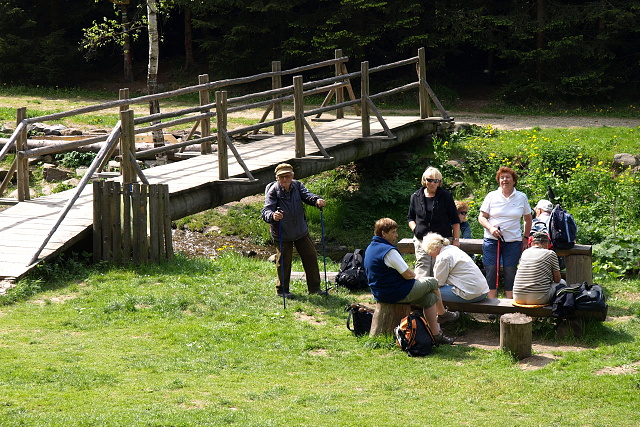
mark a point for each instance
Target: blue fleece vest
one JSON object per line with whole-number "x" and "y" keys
{"x": 387, "y": 285}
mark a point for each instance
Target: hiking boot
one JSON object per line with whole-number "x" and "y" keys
{"x": 287, "y": 295}
{"x": 319, "y": 292}
{"x": 448, "y": 316}
{"x": 443, "y": 339}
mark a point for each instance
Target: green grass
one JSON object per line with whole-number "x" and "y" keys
{"x": 205, "y": 342}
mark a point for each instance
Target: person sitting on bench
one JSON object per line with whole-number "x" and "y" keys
{"x": 538, "y": 274}
{"x": 459, "y": 278}
{"x": 392, "y": 281}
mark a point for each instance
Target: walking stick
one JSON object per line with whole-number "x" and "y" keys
{"x": 498, "y": 262}
{"x": 284, "y": 293}
{"x": 324, "y": 253}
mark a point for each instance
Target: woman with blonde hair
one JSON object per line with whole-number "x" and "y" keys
{"x": 459, "y": 278}
{"x": 431, "y": 209}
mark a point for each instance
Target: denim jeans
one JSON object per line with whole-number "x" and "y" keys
{"x": 510, "y": 256}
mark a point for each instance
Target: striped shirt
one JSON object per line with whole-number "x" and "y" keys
{"x": 535, "y": 272}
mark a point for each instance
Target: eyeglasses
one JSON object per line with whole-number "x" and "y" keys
{"x": 462, "y": 213}
{"x": 437, "y": 181}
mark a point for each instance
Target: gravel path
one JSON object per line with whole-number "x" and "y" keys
{"x": 506, "y": 122}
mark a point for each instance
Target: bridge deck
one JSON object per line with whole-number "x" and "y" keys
{"x": 24, "y": 226}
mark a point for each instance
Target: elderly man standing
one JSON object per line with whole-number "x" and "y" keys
{"x": 284, "y": 211}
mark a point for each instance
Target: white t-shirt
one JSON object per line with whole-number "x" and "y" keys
{"x": 454, "y": 267}
{"x": 394, "y": 260}
{"x": 506, "y": 213}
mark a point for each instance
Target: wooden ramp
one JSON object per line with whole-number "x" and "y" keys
{"x": 24, "y": 226}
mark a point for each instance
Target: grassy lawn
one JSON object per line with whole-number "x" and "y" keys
{"x": 205, "y": 342}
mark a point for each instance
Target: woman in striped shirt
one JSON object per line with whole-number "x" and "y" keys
{"x": 538, "y": 274}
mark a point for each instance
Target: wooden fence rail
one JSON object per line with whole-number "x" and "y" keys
{"x": 131, "y": 222}
{"x": 201, "y": 115}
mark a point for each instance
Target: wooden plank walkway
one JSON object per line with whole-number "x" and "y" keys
{"x": 24, "y": 226}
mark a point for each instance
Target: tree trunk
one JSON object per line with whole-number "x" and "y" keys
{"x": 126, "y": 47}
{"x": 152, "y": 69}
{"x": 189, "y": 59}
{"x": 541, "y": 22}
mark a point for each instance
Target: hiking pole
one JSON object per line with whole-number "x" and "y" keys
{"x": 498, "y": 262}
{"x": 284, "y": 293}
{"x": 324, "y": 253}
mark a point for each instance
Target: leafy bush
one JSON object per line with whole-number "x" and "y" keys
{"x": 74, "y": 159}
{"x": 576, "y": 165}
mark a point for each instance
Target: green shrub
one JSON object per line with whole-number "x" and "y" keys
{"x": 74, "y": 159}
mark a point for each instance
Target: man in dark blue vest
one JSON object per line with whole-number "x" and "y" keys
{"x": 392, "y": 281}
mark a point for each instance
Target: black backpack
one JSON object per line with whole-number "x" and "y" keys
{"x": 563, "y": 228}
{"x": 361, "y": 317}
{"x": 351, "y": 274}
{"x": 414, "y": 336}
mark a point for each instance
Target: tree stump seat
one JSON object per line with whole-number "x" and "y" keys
{"x": 387, "y": 316}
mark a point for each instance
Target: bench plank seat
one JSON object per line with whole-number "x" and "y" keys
{"x": 505, "y": 305}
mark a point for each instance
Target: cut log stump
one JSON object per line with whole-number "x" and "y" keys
{"x": 387, "y": 317}
{"x": 515, "y": 334}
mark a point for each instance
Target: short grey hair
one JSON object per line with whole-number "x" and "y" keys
{"x": 433, "y": 241}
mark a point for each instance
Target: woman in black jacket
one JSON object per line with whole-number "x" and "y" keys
{"x": 432, "y": 209}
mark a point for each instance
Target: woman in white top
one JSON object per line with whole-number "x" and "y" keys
{"x": 459, "y": 278}
{"x": 501, "y": 214}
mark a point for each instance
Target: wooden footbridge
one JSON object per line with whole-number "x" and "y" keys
{"x": 35, "y": 230}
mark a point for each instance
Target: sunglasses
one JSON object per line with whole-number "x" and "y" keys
{"x": 437, "y": 181}
{"x": 462, "y": 213}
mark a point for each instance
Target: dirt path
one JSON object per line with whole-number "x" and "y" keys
{"x": 507, "y": 122}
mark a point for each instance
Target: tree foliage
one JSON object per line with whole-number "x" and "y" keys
{"x": 573, "y": 50}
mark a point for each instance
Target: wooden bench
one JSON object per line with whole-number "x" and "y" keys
{"x": 504, "y": 305}
{"x": 578, "y": 270}
{"x": 578, "y": 258}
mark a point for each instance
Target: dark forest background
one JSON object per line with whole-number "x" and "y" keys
{"x": 524, "y": 51}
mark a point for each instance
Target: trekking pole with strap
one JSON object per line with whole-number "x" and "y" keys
{"x": 284, "y": 293}
{"x": 324, "y": 253}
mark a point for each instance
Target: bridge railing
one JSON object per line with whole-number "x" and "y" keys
{"x": 201, "y": 115}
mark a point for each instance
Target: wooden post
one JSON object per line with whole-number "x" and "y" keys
{"x": 22, "y": 162}
{"x": 115, "y": 226}
{"x": 154, "y": 235}
{"x": 165, "y": 217}
{"x": 579, "y": 269}
{"x": 127, "y": 215}
{"x": 221, "y": 123}
{"x": 205, "y": 124}
{"x": 387, "y": 317}
{"x": 425, "y": 104}
{"x": 340, "y": 90}
{"x": 276, "y": 83}
{"x": 516, "y": 334}
{"x": 298, "y": 111}
{"x": 122, "y": 94}
{"x": 127, "y": 145}
{"x": 98, "y": 203}
{"x": 364, "y": 95}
